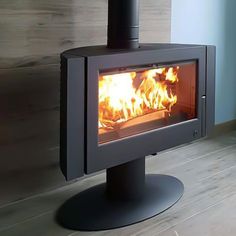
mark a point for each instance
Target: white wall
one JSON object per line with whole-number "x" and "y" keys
{"x": 211, "y": 22}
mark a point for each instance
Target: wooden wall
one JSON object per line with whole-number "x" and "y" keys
{"x": 32, "y": 34}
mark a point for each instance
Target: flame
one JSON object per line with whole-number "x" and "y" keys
{"x": 120, "y": 100}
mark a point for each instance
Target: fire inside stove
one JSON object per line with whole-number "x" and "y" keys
{"x": 136, "y": 100}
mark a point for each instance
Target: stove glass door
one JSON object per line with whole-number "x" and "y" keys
{"x": 140, "y": 99}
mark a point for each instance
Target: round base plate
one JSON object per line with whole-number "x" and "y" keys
{"x": 91, "y": 210}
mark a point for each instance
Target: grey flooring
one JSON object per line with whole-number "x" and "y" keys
{"x": 208, "y": 207}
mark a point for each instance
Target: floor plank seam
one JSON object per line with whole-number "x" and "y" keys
{"x": 198, "y": 213}
{"x": 200, "y": 157}
{"x": 219, "y": 172}
{"x": 63, "y": 188}
{"x": 24, "y": 221}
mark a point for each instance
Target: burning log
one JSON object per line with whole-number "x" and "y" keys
{"x": 157, "y": 115}
{"x": 139, "y": 122}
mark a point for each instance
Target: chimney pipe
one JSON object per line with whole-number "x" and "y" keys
{"x": 123, "y": 24}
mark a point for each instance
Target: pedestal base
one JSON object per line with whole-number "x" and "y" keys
{"x": 92, "y": 210}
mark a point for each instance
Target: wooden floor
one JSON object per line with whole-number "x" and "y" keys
{"x": 208, "y": 207}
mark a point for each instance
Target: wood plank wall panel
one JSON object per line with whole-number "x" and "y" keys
{"x": 32, "y": 34}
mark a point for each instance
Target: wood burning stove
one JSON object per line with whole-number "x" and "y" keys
{"x": 121, "y": 103}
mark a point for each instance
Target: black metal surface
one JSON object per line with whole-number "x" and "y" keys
{"x": 127, "y": 149}
{"x": 102, "y": 50}
{"x": 82, "y": 153}
{"x": 125, "y": 199}
{"x": 128, "y": 196}
{"x": 128, "y": 185}
{"x": 203, "y": 104}
{"x": 123, "y": 24}
{"x": 72, "y": 116}
{"x": 210, "y": 88}
{"x": 92, "y": 210}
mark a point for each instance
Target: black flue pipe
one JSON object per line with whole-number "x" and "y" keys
{"x": 123, "y": 24}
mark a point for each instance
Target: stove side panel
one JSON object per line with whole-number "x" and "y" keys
{"x": 210, "y": 88}
{"x": 72, "y": 112}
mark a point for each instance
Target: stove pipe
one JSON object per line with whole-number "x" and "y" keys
{"x": 123, "y": 24}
